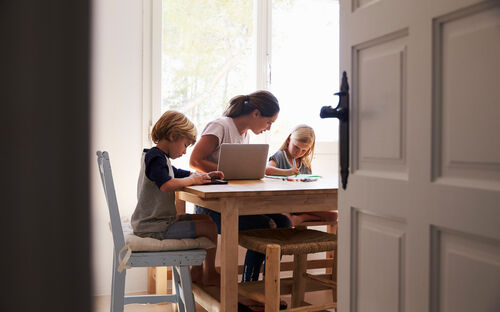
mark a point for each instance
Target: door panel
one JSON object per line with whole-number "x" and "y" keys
{"x": 466, "y": 53}
{"x": 378, "y": 240}
{"x": 379, "y": 72}
{"x": 460, "y": 262}
{"x": 419, "y": 222}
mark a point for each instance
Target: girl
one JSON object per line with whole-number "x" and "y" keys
{"x": 295, "y": 157}
{"x": 255, "y": 112}
{"x": 155, "y": 214}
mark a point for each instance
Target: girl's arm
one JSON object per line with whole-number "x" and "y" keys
{"x": 194, "y": 178}
{"x": 201, "y": 151}
{"x": 272, "y": 170}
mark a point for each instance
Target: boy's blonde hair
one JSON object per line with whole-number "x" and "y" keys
{"x": 303, "y": 134}
{"x": 173, "y": 125}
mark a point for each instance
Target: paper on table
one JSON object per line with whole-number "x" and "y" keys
{"x": 299, "y": 177}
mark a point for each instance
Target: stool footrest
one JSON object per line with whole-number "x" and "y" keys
{"x": 255, "y": 290}
{"x": 288, "y": 265}
{"x": 324, "y": 279}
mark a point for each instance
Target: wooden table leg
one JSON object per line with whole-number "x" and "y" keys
{"x": 229, "y": 257}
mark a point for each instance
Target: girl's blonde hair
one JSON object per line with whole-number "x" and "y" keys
{"x": 303, "y": 134}
{"x": 173, "y": 124}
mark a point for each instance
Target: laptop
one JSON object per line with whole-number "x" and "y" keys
{"x": 243, "y": 161}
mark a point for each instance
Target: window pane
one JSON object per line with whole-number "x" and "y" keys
{"x": 305, "y": 65}
{"x": 207, "y": 56}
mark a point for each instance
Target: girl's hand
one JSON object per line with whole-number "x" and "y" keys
{"x": 200, "y": 178}
{"x": 216, "y": 175}
{"x": 294, "y": 171}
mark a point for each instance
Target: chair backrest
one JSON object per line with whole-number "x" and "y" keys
{"x": 109, "y": 190}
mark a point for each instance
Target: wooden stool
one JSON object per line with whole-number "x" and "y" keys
{"x": 288, "y": 241}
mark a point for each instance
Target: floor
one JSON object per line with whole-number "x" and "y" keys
{"x": 101, "y": 303}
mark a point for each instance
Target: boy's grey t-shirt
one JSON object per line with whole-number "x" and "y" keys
{"x": 282, "y": 162}
{"x": 155, "y": 209}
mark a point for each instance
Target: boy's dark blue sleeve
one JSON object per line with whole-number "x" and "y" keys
{"x": 181, "y": 173}
{"x": 156, "y": 168}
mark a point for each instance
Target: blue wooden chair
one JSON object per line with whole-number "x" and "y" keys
{"x": 180, "y": 260}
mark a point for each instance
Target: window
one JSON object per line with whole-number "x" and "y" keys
{"x": 207, "y": 56}
{"x": 214, "y": 50}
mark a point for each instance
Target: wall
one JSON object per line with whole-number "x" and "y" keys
{"x": 116, "y": 126}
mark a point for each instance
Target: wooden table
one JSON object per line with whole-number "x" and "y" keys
{"x": 250, "y": 197}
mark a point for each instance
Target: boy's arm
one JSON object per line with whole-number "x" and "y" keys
{"x": 175, "y": 184}
{"x": 157, "y": 171}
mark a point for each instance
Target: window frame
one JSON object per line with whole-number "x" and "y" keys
{"x": 151, "y": 66}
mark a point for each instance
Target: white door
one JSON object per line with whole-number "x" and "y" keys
{"x": 419, "y": 225}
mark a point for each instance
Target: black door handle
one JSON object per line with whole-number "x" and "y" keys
{"x": 342, "y": 113}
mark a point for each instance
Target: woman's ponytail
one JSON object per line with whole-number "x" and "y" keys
{"x": 264, "y": 101}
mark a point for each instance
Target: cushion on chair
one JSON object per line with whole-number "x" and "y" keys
{"x": 291, "y": 240}
{"x": 134, "y": 243}
{"x": 137, "y": 243}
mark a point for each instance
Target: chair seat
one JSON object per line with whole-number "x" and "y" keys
{"x": 292, "y": 241}
{"x": 137, "y": 243}
{"x": 168, "y": 258}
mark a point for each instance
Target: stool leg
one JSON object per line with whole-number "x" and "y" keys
{"x": 151, "y": 280}
{"x": 329, "y": 254}
{"x": 272, "y": 279}
{"x": 299, "y": 282}
{"x": 161, "y": 281}
{"x": 334, "y": 274}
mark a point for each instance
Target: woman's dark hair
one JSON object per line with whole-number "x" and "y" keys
{"x": 264, "y": 101}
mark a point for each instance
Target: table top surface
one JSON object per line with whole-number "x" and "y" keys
{"x": 264, "y": 187}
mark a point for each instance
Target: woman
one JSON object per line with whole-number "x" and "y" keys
{"x": 256, "y": 112}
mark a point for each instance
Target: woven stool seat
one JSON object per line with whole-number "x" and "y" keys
{"x": 292, "y": 241}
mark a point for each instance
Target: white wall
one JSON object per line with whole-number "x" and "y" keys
{"x": 116, "y": 125}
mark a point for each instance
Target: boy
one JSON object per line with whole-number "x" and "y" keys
{"x": 155, "y": 214}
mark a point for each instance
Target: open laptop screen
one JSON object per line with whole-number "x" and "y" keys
{"x": 243, "y": 161}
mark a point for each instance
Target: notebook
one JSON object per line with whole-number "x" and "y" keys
{"x": 243, "y": 161}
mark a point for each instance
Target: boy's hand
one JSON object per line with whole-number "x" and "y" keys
{"x": 216, "y": 175}
{"x": 200, "y": 178}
